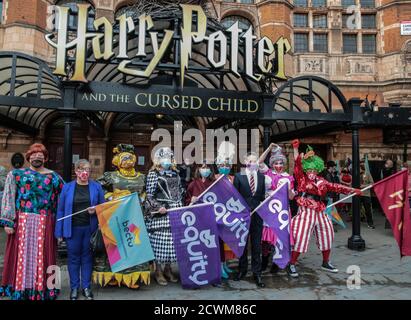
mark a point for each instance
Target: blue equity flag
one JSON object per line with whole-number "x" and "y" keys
{"x": 231, "y": 212}
{"x": 195, "y": 238}
{"x": 274, "y": 211}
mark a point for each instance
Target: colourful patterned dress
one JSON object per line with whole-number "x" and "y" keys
{"x": 29, "y": 206}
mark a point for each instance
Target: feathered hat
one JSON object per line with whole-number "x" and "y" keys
{"x": 164, "y": 152}
{"x": 225, "y": 153}
{"x": 277, "y": 155}
{"x": 312, "y": 161}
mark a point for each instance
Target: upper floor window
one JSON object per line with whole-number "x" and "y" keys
{"x": 301, "y": 3}
{"x": 300, "y": 20}
{"x": 367, "y": 3}
{"x": 1, "y": 11}
{"x": 318, "y": 3}
{"x": 349, "y": 43}
{"x": 300, "y": 42}
{"x": 368, "y": 21}
{"x": 350, "y": 21}
{"x": 243, "y": 23}
{"x": 320, "y": 42}
{"x": 320, "y": 21}
{"x": 73, "y": 17}
{"x": 368, "y": 43}
{"x": 347, "y": 3}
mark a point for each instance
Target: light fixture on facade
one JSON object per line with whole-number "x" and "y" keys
{"x": 159, "y": 116}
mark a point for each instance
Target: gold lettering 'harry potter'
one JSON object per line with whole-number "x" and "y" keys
{"x": 221, "y": 46}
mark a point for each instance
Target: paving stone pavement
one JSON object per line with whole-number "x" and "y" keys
{"x": 383, "y": 276}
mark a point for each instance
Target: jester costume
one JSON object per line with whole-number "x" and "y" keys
{"x": 29, "y": 206}
{"x": 312, "y": 200}
{"x": 124, "y": 181}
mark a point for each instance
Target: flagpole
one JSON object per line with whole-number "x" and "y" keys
{"x": 268, "y": 198}
{"x": 112, "y": 201}
{"x": 73, "y": 214}
{"x": 349, "y": 196}
{"x": 212, "y": 185}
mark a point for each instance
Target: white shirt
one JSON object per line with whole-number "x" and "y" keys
{"x": 254, "y": 173}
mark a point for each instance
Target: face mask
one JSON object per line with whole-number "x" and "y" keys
{"x": 37, "y": 163}
{"x": 252, "y": 166}
{"x": 205, "y": 172}
{"x": 83, "y": 175}
{"x": 166, "y": 164}
{"x": 224, "y": 170}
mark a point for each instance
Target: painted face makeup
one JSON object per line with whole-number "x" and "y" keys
{"x": 278, "y": 166}
{"x": 311, "y": 175}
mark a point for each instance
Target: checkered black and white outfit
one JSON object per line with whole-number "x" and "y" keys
{"x": 163, "y": 190}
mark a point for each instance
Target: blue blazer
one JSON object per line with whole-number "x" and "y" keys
{"x": 65, "y": 207}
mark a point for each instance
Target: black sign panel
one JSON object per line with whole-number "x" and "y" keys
{"x": 157, "y": 99}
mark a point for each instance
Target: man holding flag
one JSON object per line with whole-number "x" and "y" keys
{"x": 251, "y": 185}
{"x": 312, "y": 192}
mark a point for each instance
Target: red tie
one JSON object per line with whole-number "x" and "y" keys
{"x": 252, "y": 184}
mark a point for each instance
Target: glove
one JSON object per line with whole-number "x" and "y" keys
{"x": 295, "y": 143}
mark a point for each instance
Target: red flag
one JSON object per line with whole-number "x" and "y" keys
{"x": 392, "y": 192}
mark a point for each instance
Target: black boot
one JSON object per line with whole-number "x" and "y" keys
{"x": 264, "y": 263}
{"x": 274, "y": 268}
{"x": 74, "y": 294}
{"x": 88, "y": 294}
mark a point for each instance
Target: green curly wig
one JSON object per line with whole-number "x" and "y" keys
{"x": 312, "y": 162}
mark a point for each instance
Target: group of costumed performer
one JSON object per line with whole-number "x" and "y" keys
{"x": 275, "y": 176}
{"x": 312, "y": 201}
{"x": 164, "y": 191}
{"x": 119, "y": 183}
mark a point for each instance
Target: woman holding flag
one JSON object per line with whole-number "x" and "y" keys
{"x": 224, "y": 163}
{"x": 80, "y": 196}
{"x": 164, "y": 191}
{"x": 275, "y": 177}
{"x": 311, "y": 199}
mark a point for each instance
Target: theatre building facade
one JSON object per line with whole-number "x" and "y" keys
{"x": 335, "y": 50}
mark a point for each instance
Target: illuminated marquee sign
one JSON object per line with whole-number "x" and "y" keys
{"x": 268, "y": 59}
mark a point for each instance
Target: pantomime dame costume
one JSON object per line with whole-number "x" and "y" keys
{"x": 275, "y": 177}
{"x": 164, "y": 192}
{"x": 124, "y": 181}
{"x": 29, "y": 207}
{"x": 312, "y": 200}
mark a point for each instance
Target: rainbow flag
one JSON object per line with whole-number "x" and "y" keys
{"x": 333, "y": 213}
{"x": 124, "y": 232}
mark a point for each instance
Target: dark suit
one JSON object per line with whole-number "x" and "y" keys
{"x": 256, "y": 227}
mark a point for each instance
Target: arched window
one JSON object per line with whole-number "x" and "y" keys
{"x": 73, "y": 17}
{"x": 243, "y": 23}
